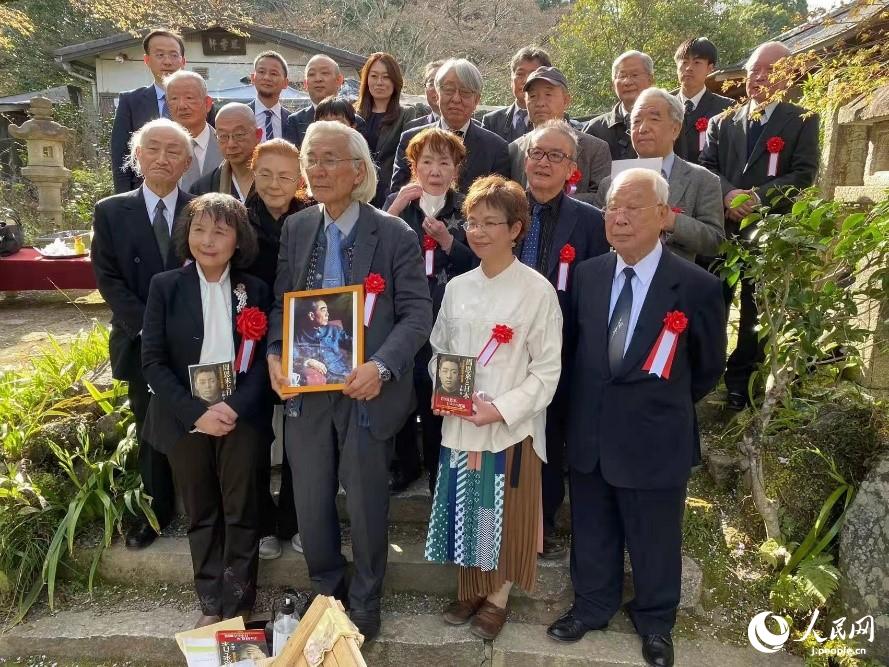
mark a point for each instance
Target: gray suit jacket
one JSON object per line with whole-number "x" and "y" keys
{"x": 700, "y": 226}
{"x": 212, "y": 159}
{"x": 500, "y": 123}
{"x": 402, "y": 317}
{"x": 593, "y": 161}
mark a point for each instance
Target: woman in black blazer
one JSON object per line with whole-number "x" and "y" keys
{"x": 202, "y": 314}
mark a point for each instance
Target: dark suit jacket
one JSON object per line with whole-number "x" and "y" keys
{"x": 687, "y": 142}
{"x": 172, "y": 335}
{"x": 402, "y": 318}
{"x": 610, "y": 128}
{"x": 640, "y": 428}
{"x": 285, "y": 114}
{"x": 726, "y": 153}
{"x": 486, "y": 154}
{"x": 297, "y": 124}
{"x": 500, "y": 123}
{"x": 426, "y": 119}
{"x": 125, "y": 257}
{"x": 387, "y": 144}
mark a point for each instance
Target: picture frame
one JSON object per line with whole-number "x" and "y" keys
{"x": 323, "y": 338}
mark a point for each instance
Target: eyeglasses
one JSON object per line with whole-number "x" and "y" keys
{"x": 237, "y": 137}
{"x": 269, "y": 177}
{"x": 453, "y": 91}
{"x": 327, "y": 163}
{"x": 629, "y": 212}
{"x": 555, "y": 157}
{"x": 631, "y": 76}
{"x": 485, "y": 227}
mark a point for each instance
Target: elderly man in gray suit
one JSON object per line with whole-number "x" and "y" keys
{"x": 346, "y": 437}
{"x": 189, "y": 103}
{"x": 695, "y": 225}
{"x": 547, "y": 98}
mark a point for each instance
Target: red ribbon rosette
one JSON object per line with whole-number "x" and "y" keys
{"x": 374, "y": 284}
{"x": 566, "y": 256}
{"x": 429, "y": 246}
{"x": 252, "y": 324}
{"x": 660, "y": 359}
{"x": 675, "y": 321}
{"x": 429, "y": 243}
{"x": 573, "y": 180}
{"x": 701, "y": 124}
{"x": 775, "y": 145}
{"x": 500, "y": 335}
{"x": 567, "y": 253}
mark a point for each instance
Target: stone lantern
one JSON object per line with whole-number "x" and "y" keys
{"x": 45, "y": 139}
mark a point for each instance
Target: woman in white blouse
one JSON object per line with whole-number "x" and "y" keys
{"x": 214, "y": 445}
{"x": 486, "y": 513}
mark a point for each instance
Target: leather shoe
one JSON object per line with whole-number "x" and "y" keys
{"x": 367, "y": 622}
{"x": 735, "y": 401}
{"x": 569, "y": 628}
{"x": 460, "y": 611}
{"x": 658, "y": 650}
{"x": 488, "y": 621}
{"x": 554, "y": 548}
{"x": 141, "y": 536}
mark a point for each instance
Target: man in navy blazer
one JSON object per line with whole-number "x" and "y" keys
{"x": 647, "y": 331}
{"x": 459, "y": 86}
{"x": 131, "y": 243}
{"x": 323, "y": 78}
{"x": 561, "y": 227}
{"x": 269, "y": 78}
{"x": 510, "y": 123}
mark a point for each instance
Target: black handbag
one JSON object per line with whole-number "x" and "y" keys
{"x": 12, "y": 238}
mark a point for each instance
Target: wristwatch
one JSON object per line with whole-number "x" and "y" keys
{"x": 385, "y": 373}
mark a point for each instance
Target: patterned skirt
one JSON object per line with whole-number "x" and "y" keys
{"x": 487, "y": 517}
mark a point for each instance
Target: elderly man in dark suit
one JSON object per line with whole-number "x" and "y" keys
{"x": 513, "y": 121}
{"x": 761, "y": 150}
{"x": 459, "y": 86}
{"x": 648, "y": 337}
{"x": 346, "y": 438}
{"x": 547, "y": 98}
{"x": 694, "y": 223}
{"x": 631, "y": 73}
{"x": 269, "y": 77}
{"x": 429, "y": 73}
{"x": 323, "y": 78}
{"x": 131, "y": 243}
{"x": 189, "y": 103}
{"x": 695, "y": 60}
{"x": 563, "y": 233}
{"x": 237, "y": 135}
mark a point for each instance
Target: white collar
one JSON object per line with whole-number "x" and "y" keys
{"x": 152, "y": 198}
{"x": 160, "y": 92}
{"x": 645, "y": 267}
{"x": 432, "y": 204}
{"x": 747, "y": 110}
{"x": 262, "y": 108}
{"x": 445, "y": 126}
{"x": 695, "y": 99}
{"x": 203, "y": 139}
{"x": 222, "y": 279}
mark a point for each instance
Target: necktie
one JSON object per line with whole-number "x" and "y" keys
{"x": 520, "y": 119}
{"x": 618, "y": 326}
{"x": 754, "y": 130}
{"x": 459, "y": 133}
{"x": 530, "y": 248}
{"x": 198, "y": 158}
{"x": 269, "y": 130}
{"x": 161, "y": 230}
{"x": 333, "y": 260}
{"x": 689, "y": 107}
{"x": 165, "y": 110}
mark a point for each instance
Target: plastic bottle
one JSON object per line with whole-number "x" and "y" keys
{"x": 285, "y": 625}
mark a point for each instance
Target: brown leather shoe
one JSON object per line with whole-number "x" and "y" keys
{"x": 488, "y": 621}
{"x": 205, "y": 620}
{"x": 460, "y": 611}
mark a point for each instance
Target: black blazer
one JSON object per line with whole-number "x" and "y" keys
{"x": 486, "y": 154}
{"x": 297, "y": 124}
{"x": 687, "y": 142}
{"x": 285, "y": 114}
{"x": 610, "y": 128}
{"x": 640, "y": 428}
{"x": 171, "y": 341}
{"x": 387, "y": 144}
{"x": 500, "y": 123}
{"x": 125, "y": 258}
{"x": 428, "y": 119}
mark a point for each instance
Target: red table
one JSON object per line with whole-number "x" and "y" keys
{"x": 27, "y": 270}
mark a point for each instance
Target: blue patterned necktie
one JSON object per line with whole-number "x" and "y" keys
{"x": 333, "y": 259}
{"x": 165, "y": 110}
{"x": 530, "y": 248}
{"x": 619, "y": 324}
{"x": 269, "y": 129}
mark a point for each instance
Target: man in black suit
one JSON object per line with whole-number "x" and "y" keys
{"x": 431, "y": 97}
{"x": 131, "y": 243}
{"x": 695, "y": 60}
{"x": 323, "y": 79}
{"x": 459, "y": 86}
{"x": 238, "y": 136}
{"x": 631, "y": 73}
{"x": 164, "y": 54}
{"x": 738, "y": 150}
{"x": 512, "y": 122}
{"x": 559, "y": 224}
{"x": 269, "y": 78}
{"x": 647, "y": 330}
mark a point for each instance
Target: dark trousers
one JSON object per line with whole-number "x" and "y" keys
{"x": 604, "y": 518}
{"x": 153, "y": 466}
{"x": 217, "y": 479}
{"x": 552, "y": 475}
{"x": 326, "y": 447}
{"x": 278, "y": 520}
{"x": 749, "y": 352}
{"x": 430, "y": 430}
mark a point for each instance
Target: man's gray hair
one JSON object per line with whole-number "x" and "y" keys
{"x": 467, "y": 74}
{"x": 556, "y": 125}
{"x": 186, "y": 75}
{"x": 238, "y": 109}
{"x": 646, "y": 61}
{"x": 658, "y": 183}
{"x": 358, "y": 149}
{"x": 321, "y": 56}
{"x": 779, "y": 46}
{"x": 674, "y": 106}
{"x": 140, "y": 138}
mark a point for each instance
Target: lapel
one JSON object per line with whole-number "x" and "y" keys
{"x": 658, "y": 301}
{"x": 739, "y": 136}
{"x": 600, "y": 301}
{"x": 284, "y": 116}
{"x": 190, "y": 290}
{"x": 304, "y": 236}
{"x": 149, "y": 103}
{"x": 142, "y": 231}
{"x": 777, "y": 121}
{"x": 252, "y": 105}
{"x": 679, "y": 180}
{"x": 365, "y": 244}
{"x": 562, "y": 233}
{"x": 182, "y": 198}
{"x": 391, "y": 133}
{"x": 213, "y": 157}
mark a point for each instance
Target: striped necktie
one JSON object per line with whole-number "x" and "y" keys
{"x": 269, "y": 128}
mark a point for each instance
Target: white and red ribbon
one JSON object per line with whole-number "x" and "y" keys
{"x": 702, "y": 141}
{"x": 500, "y": 334}
{"x": 370, "y": 300}
{"x": 245, "y": 355}
{"x": 773, "y": 164}
{"x": 562, "y": 283}
{"x": 374, "y": 284}
{"x": 774, "y": 146}
{"x": 660, "y": 359}
{"x": 567, "y": 254}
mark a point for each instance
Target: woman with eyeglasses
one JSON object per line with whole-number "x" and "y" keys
{"x": 486, "y": 510}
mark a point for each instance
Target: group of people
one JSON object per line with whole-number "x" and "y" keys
{"x": 505, "y": 239}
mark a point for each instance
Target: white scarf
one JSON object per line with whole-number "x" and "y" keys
{"x": 216, "y": 307}
{"x": 431, "y": 204}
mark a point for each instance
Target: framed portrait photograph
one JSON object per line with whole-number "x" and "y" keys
{"x": 323, "y": 337}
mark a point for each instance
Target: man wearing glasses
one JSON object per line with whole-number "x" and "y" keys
{"x": 459, "y": 86}
{"x": 631, "y": 73}
{"x": 547, "y": 99}
{"x": 237, "y": 135}
{"x": 431, "y": 98}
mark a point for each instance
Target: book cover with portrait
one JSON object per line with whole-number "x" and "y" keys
{"x": 241, "y": 647}
{"x": 454, "y": 383}
{"x": 211, "y": 383}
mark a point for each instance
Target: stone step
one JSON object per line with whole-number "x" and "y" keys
{"x": 146, "y": 636}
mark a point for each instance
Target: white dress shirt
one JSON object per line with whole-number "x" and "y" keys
{"x": 463, "y": 129}
{"x": 766, "y": 111}
{"x": 216, "y": 306}
{"x": 151, "y": 200}
{"x": 695, "y": 100}
{"x": 200, "y": 143}
{"x": 644, "y": 273}
{"x": 276, "y": 118}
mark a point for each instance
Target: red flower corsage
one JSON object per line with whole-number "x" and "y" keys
{"x": 429, "y": 243}
{"x": 252, "y": 323}
{"x": 567, "y": 253}
{"x": 675, "y": 321}
{"x": 572, "y": 182}
{"x": 701, "y": 124}
{"x": 374, "y": 283}
{"x": 500, "y": 335}
{"x": 775, "y": 145}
